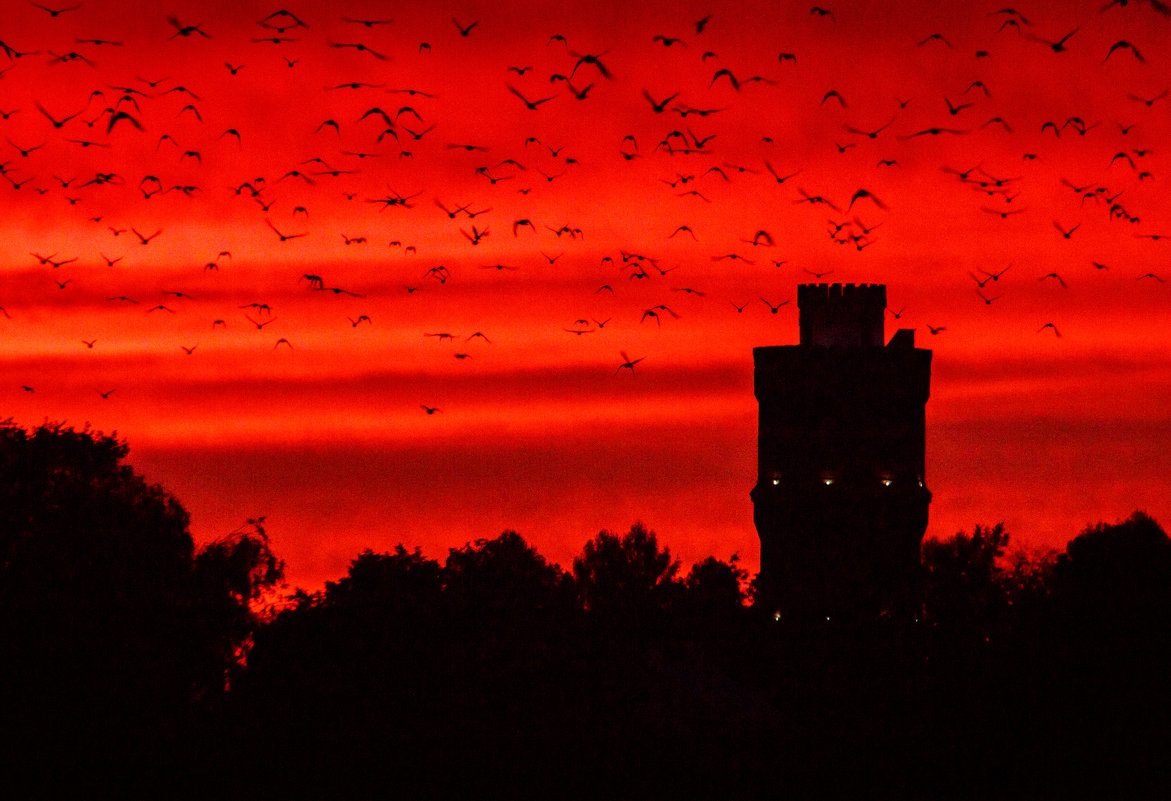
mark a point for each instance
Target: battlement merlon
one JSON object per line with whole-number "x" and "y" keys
{"x": 842, "y": 314}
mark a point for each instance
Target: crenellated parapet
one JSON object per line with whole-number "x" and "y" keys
{"x": 841, "y": 315}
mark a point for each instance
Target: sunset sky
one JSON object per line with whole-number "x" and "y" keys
{"x": 335, "y": 185}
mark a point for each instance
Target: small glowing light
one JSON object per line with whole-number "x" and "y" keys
{"x": 777, "y": 615}
{"x": 827, "y": 482}
{"x": 776, "y": 481}
{"x": 886, "y": 482}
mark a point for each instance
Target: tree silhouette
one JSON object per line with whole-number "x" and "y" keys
{"x": 231, "y": 580}
{"x": 626, "y": 577}
{"x": 712, "y": 604}
{"x": 501, "y": 664}
{"x": 115, "y": 634}
{"x": 962, "y": 583}
{"x": 398, "y": 586}
{"x": 1117, "y": 577}
{"x": 125, "y": 652}
{"x": 506, "y": 581}
{"x": 716, "y": 585}
{"x": 1108, "y": 649}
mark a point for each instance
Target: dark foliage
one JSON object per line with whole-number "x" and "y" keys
{"x": 625, "y": 578}
{"x": 117, "y": 637}
{"x": 135, "y": 664}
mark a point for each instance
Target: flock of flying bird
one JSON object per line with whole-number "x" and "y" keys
{"x": 102, "y": 149}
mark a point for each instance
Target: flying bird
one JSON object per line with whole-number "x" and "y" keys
{"x": 532, "y": 105}
{"x": 863, "y": 193}
{"x": 1122, "y": 44}
{"x": 1059, "y": 45}
{"x": 656, "y": 105}
{"x": 283, "y": 237}
{"x": 56, "y": 12}
{"x": 186, "y": 30}
{"x": 464, "y": 30}
{"x": 627, "y": 363}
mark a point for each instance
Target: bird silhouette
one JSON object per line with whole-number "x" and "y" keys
{"x": 627, "y": 363}
{"x": 186, "y": 30}
{"x": 863, "y": 193}
{"x": 872, "y": 134}
{"x": 953, "y": 110}
{"x": 532, "y": 105}
{"x": 283, "y": 237}
{"x": 1122, "y": 44}
{"x": 592, "y": 59}
{"x": 996, "y": 276}
{"x": 935, "y": 37}
{"x": 464, "y": 30}
{"x": 57, "y": 123}
{"x": 658, "y": 106}
{"x": 1059, "y": 45}
{"x": 56, "y": 12}
{"x": 1149, "y": 101}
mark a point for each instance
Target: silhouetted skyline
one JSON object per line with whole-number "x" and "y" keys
{"x": 134, "y": 663}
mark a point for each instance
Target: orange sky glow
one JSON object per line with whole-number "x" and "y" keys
{"x": 401, "y": 159}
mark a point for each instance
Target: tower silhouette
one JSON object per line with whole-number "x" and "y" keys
{"x": 840, "y": 502}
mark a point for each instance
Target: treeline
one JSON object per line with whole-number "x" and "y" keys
{"x": 136, "y": 664}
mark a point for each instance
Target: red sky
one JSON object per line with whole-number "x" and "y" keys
{"x": 538, "y": 432}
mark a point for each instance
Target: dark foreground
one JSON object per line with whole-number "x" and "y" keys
{"x": 133, "y": 664}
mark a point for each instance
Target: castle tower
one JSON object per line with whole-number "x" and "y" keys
{"x": 840, "y": 501}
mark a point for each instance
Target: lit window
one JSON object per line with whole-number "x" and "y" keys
{"x": 886, "y": 482}
{"x": 776, "y": 481}
{"x": 827, "y": 481}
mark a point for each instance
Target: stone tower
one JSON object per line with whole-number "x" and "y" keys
{"x": 840, "y": 501}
